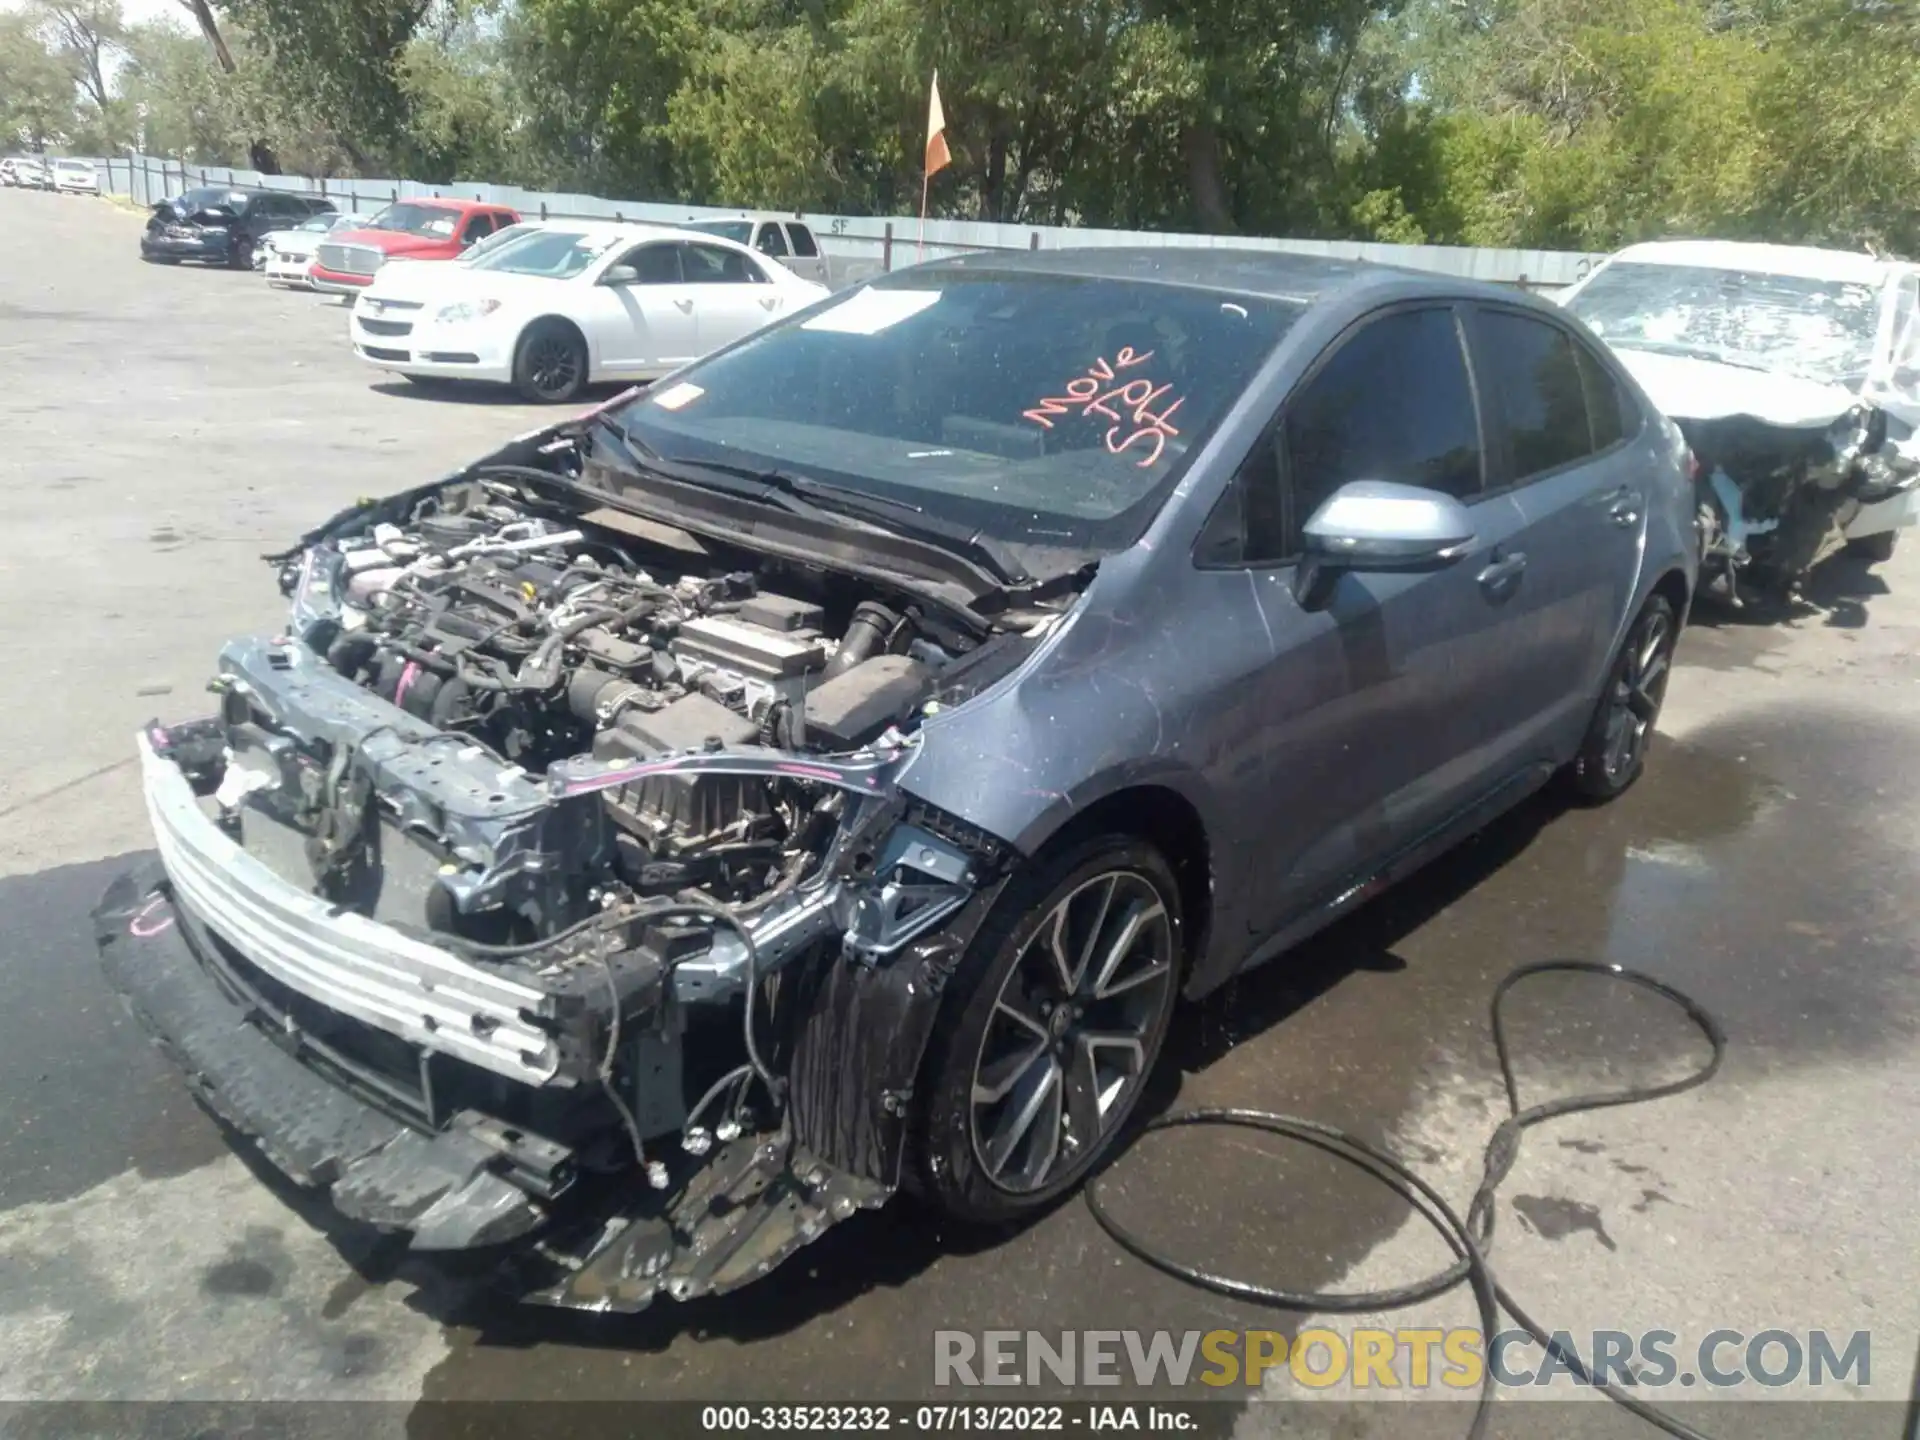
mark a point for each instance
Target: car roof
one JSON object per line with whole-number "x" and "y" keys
{"x": 453, "y": 202}
{"x": 1805, "y": 261}
{"x": 1269, "y": 274}
{"x": 619, "y": 229}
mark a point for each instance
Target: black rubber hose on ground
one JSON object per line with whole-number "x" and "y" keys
{"x": 1469, "y": 1238}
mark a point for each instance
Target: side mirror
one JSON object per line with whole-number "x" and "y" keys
{"x": 1371, "y": 525}
{"x": 620, "y": 275}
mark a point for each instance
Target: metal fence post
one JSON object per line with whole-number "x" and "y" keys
{"x": 886, "y": 248}
{"x": 543, "y": 209}
{"x": 1033, "y": 241}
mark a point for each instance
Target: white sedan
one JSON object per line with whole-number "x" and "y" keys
{"x": 286, "y": 255}
{"x": 570, "y": 303}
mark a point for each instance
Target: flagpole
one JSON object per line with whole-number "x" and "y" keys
{"x": 926, "y": 177}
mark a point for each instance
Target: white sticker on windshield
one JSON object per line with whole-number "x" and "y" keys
{"x": 868, "y": 312}
{"x": 678, "y": 396}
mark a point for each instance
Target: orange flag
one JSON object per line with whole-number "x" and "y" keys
{"x": 938, "y": 156}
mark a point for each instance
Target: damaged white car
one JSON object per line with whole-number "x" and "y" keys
{"x": 1795, "y": 374}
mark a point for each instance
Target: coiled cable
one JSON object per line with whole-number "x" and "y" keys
{"x": 1469, "y": 1238}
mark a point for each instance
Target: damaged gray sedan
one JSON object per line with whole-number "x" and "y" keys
{"x": 823, "y": 771}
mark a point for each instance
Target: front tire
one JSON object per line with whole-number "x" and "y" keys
{"x": 550, "y": 363}
{"x": 1049, "y": 1029}
{"x": 1614, "y": 751}
{"x": 240, "y": 254}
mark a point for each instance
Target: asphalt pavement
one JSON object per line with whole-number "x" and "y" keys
{"x": 164, "y": 426}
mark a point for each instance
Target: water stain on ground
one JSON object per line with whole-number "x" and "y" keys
{"x": 255, "y": 1267}
{"x": 1555, "y": 1217}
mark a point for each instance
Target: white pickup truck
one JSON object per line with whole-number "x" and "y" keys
{"x": 792, "y": 243}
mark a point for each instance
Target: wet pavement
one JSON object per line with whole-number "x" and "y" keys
{"x": 1765, "y": 864}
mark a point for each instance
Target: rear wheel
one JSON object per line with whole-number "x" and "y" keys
{"x": 240, "y": 253}
{"x": 1615, "y": 749}
{"x": 550, "y": 363}
{"x": 1049, "y": 1030}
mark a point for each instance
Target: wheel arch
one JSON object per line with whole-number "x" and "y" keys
{"x": 1673, "y": 588}
{"x": 1168, "y": 820}
{"x": 564, "y": 322}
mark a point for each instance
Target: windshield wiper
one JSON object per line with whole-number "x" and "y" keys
{"x": 901, "y": 515}
{"x": 804, "y": 495}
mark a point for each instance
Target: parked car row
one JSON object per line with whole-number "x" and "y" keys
{"x": 564, "y": 304}
{"x": 37, "y": 172}
{"x": 452, "y": 289}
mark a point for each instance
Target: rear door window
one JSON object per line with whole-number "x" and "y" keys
{"x": 655, "y": 264}
{"x": 714, "y": 265}
{"x": 802, "y": 238}
{"x": 1528, "y": 368}
{"x": 1608, "y": 409}
{"x": 1393, "y": 403}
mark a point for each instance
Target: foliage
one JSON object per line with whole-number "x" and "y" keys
{"x": 1577, "y": 123}
{"x": 38, "y": 105}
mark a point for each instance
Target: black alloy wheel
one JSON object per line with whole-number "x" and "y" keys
{"x": 550, "y": 364}
{"x": 1615, "y": 750}
{"x": 1053, "y": 1023}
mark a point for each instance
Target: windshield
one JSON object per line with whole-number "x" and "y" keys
{"x": 209, "y": 199}
{"x": 1820, "y": 330}
{"x": 1043, "y": 410}
{"x": 414, "y": 219}
{"x": 738, "y": 231}
{"x": 556, "y": 254}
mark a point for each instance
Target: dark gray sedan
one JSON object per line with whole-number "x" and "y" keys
{"x": 664, "y": 837}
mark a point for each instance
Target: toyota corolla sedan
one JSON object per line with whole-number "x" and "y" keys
{"x": 570, "y": 303}
{"x": 657, "y": 841}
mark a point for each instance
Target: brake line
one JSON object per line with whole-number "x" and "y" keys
{"x": 1469, "y": 1239}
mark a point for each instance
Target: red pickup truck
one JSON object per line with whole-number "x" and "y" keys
{"x": 418, "y": 229}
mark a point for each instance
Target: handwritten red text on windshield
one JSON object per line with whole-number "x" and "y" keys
{"x": 1128, "y": 403}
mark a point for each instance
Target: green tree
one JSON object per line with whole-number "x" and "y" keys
{"x": 37, "y": 96}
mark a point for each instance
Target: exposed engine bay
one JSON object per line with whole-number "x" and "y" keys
{"x": 537, "y": 640}
{"x": 570, "y": 840}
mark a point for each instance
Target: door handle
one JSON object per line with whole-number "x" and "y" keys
{"x": 685, "y": 306}
{"x": 1623, "y": 504}
{"x": 1501, "y": 578}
